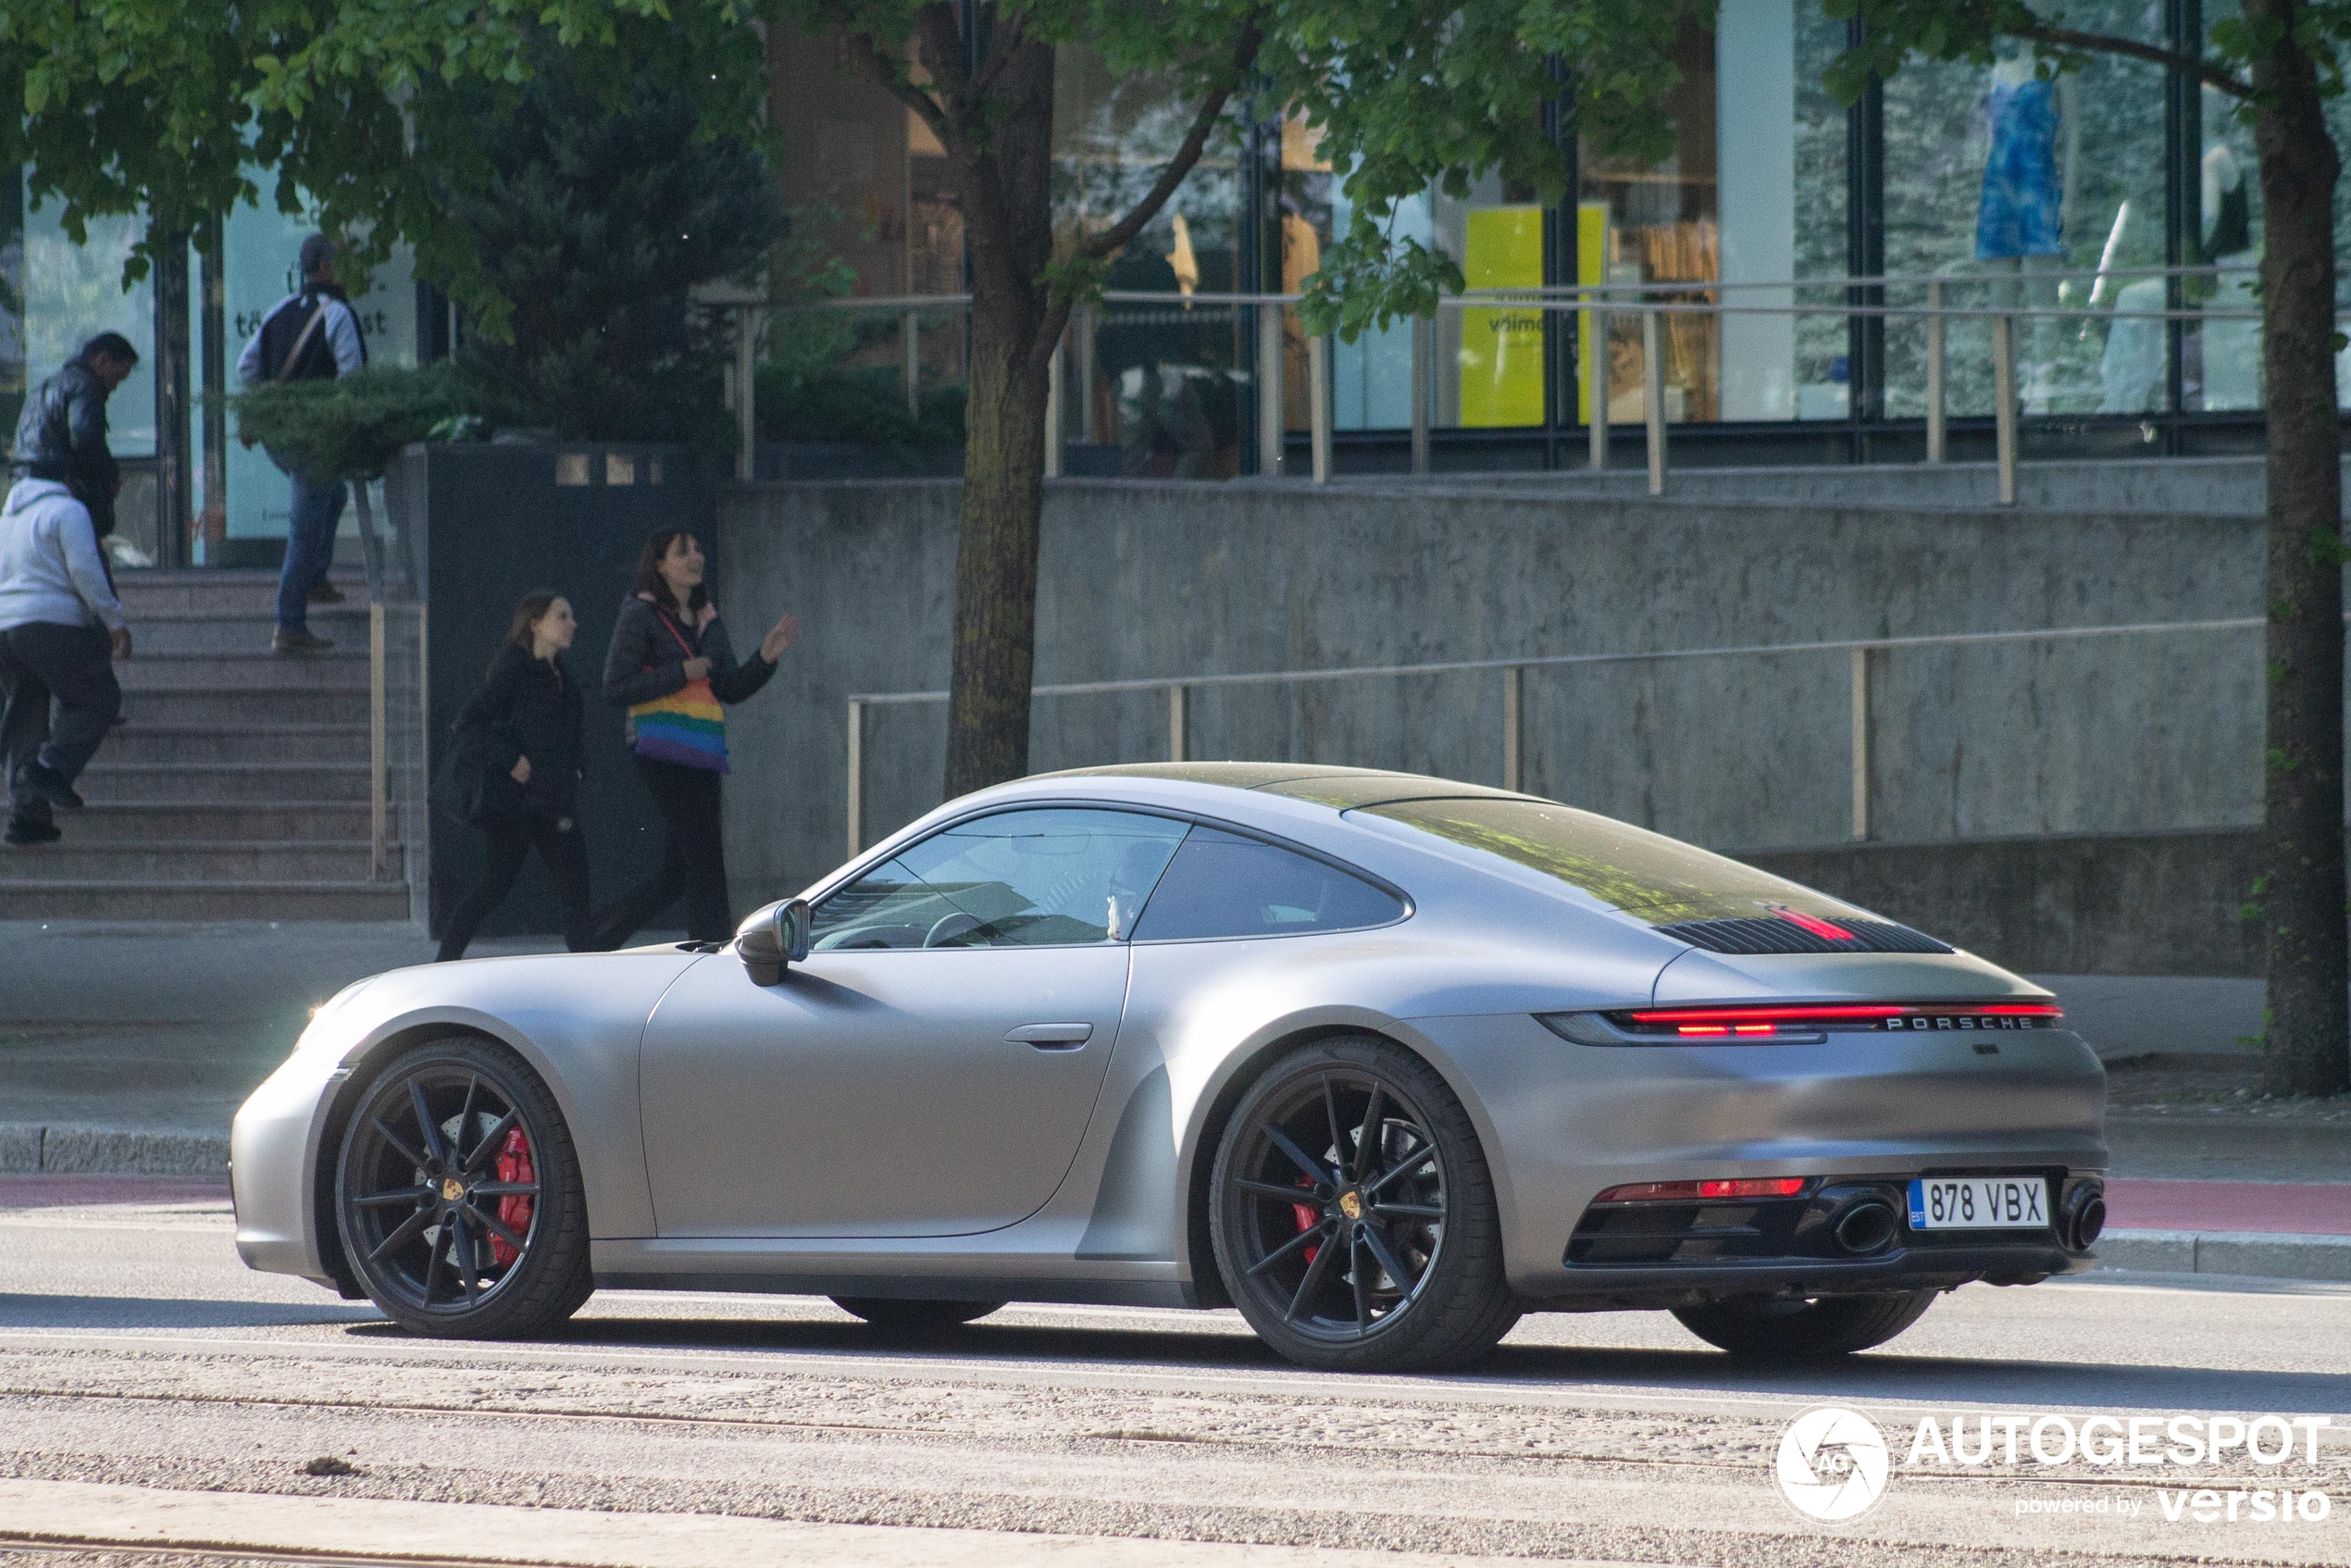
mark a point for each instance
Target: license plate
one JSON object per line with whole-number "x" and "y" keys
{"x": 1980, "y": 1203}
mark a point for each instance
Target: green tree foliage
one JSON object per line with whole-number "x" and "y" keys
{"x": 1405, "y": 92}
{"x": 596, "y": 220}
{"x": 2281, "y": 61}
{"x": 350, "y": 425}
{"x": 361, "y": 108}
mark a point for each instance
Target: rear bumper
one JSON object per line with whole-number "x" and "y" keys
{"x": 1561, "y": 1122}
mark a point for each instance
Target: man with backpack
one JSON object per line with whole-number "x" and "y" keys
{"x": 312, "y": 334}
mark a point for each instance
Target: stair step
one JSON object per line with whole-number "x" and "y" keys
{"x": 284, "y": 706}
{"x": 339, "y": 670}
{"x": 152, "y": 821}
{"x": 254, "y": 781}
{"x": 204, "y": 631}
{"x": 212, "y": 861}
{"x": 194, "y": 744}
{"x": 234, "y": 592}
{"x": 202, "y": 900}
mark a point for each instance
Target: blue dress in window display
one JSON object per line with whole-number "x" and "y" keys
{"x": 2019, "y": 214}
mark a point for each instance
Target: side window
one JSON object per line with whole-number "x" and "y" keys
{"x": 1223, "y": 885}
{"x": 1045, "y": 877}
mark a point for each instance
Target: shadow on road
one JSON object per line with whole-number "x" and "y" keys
{"x": 1870, "y": 1378}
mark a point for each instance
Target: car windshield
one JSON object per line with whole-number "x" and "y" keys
{"x": 1658, "y": 879}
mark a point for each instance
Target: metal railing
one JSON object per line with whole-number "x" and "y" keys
{"x": 1512, "y": 671}
{"x": 397, "y": 762}
{"x": 1651, "y": 303}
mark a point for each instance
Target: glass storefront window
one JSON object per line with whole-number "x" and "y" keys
{"x": 1162, "y": 383}
{"x": 71, "y": 293}
{"x": 1653, "y": 224}
{"x": 1998, "y": 181}
{"x": 1781, "y": 173}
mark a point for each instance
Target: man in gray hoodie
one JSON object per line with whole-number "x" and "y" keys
{"x": 60, "y": 629}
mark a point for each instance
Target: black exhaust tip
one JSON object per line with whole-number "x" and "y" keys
{"x": 2082, "y": 1220}
{"x": 1865, "y": 1227}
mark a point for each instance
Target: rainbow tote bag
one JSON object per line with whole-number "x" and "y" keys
{"x": 687, "y": 726}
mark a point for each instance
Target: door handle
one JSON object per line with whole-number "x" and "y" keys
{"x": 1052, "y": 1036}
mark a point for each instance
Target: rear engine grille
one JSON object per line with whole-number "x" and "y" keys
{"x": 1770, "y": 935}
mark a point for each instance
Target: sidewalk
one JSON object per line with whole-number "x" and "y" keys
{"x": 128, "y": 1047}
{"x": 2278, "y": 1230}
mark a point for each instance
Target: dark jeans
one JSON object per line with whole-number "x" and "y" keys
{"x": 511, "y": 839}
{"x": 72, "y": 665}
{"x": 310, "y": 547}
{"x": 693, "y": 860}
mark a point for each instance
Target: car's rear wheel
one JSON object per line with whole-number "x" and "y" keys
{"x": 1830, "y": 1326}
{"x": 1352, "y": 1213}
{"x": 913, "y": 1318}
{"x": 458, "y": 1197}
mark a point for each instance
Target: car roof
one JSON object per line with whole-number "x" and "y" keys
{"x": 1344, "y": 789}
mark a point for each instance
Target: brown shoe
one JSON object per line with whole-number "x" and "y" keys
{"x": 284, "y": 641}
{"x": 327, "y": 594}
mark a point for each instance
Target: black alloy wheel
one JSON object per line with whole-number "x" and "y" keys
{"x": 1353, "y": 1215}
{"x": 458, "y": 1196}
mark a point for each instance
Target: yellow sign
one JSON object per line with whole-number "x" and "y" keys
{"x": 1502, "y": 349}
{"x": 1591, "y": 267}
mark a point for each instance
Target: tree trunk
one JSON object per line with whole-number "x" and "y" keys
{"x": 1003, "y": 157}
{"x": 2309, "y": 1036}
{"x": 996, "y": 555}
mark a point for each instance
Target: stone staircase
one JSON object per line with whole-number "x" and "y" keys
{"x": 237, "y": 788}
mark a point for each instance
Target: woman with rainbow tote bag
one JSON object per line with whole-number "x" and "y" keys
{"x": 672, "y": 667}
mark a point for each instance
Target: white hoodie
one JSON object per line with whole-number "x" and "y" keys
{"x": 50, "y": 569}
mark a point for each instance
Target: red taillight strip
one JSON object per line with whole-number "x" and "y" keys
{"x": 1686, "y": 1191}
{"x": 1838, "y": 1012}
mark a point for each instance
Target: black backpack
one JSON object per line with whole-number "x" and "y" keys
{"x": 294, "y": 341}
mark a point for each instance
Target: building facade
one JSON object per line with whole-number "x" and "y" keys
{"x": 1812, "y": 235}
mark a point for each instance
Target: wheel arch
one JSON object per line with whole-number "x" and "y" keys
{"x": 1198, "y": 1161}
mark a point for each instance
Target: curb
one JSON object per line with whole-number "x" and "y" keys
{"x": 80, "y": 1151}
{"x": 2260, "y": 1254}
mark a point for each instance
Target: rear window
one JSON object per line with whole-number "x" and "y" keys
{"x": 1224, "y": 884}
{"x": 1647, "y": 875}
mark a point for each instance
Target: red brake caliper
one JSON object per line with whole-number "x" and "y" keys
{"x": 514, "y": 1211}
{"x": 1307, "y": 1219}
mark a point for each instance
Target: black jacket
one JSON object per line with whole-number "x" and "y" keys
{"x": 530, "y": 708}
{"x": 62, "y": 435}
{"x": 646, "y": 660}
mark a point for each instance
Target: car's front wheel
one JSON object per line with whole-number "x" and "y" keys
{"x": 1354, "y": 1217}
{"x": 458, "y": 1197}
{"x": 1831, "y": 1326}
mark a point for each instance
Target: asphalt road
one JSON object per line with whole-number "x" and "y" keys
{"x": 153, "y": 1391}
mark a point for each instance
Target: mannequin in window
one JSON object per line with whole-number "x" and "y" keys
{"x": 2029, "y": 178}
{"x": 2223, "y": 362}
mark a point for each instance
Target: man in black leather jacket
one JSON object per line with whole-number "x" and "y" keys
{"x": 62, "y": 434}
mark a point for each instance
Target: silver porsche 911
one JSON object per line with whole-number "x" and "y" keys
{"x": 1383, "y": 1061}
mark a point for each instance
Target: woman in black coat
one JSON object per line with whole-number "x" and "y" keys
{"x": 525, "y": 721}
{"x": 673, "y": 668}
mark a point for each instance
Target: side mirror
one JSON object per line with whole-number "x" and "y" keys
{"x": 772, "y": 939}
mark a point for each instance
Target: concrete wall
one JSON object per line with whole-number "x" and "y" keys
{"x": 2096, "y": 738}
